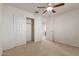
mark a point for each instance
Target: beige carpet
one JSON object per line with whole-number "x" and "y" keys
{"x": 42, "y": 48}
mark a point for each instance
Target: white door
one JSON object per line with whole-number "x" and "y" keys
{"x": 29, "y": 30}
{"x": 44, "y": 31}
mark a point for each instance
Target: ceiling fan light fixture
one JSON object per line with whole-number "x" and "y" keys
{"x": 49, "y": 8}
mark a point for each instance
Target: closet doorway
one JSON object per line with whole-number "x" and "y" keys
{"x": 30, "y": 29}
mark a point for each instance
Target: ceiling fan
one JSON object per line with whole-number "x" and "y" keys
{"x": 50, "y": 7}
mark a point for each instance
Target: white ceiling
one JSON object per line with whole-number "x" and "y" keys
{"x": 32, "y": 7}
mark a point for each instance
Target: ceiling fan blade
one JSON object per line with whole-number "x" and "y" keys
{"x": 41, "y": 7}
{"x": 61, "y": 4}
{"x": 45, "y": 11}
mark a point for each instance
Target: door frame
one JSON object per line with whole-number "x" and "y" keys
{"x": 32, "y": 28}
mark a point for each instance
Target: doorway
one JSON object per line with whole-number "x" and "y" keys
{"x": 30, "y": 29}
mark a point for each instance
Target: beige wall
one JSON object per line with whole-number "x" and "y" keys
{"x": 66, "y": 27}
